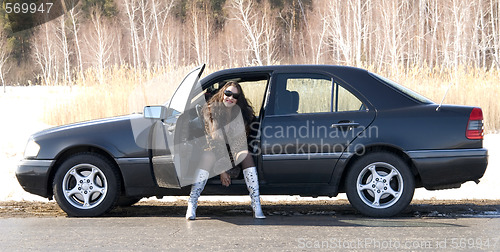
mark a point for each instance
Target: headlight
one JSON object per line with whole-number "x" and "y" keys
{"x": 32, "y": 149}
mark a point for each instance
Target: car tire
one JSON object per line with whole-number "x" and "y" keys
{"x": 380, "y": 185}
{"x": 125, "y": 201}
{"x": 86, "y": 185}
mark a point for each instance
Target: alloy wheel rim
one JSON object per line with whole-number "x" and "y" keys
{"x": 84, "y": 186}
{"x": 379, "y": 185}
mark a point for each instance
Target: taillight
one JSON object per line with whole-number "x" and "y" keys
{"x": 475, "y": 125}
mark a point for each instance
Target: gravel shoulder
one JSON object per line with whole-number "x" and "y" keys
{"x": 152, "y": 208}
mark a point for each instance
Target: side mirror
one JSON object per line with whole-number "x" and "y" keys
{"x": 155, "y": 112}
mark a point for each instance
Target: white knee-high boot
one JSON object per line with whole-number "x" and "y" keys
{"x": 196, "y": 189}
{"x": 252, "y": 182}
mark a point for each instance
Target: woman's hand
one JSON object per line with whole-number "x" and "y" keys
{"x": 225, "y": 179}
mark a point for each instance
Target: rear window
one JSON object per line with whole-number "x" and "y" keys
{"x": 402, "y": 89}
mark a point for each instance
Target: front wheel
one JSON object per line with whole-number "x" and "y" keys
{"x": 380, "y": 185}
{"x": 86, "y": 185}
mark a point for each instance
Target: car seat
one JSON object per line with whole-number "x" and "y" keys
{"x": 287, "y": 102}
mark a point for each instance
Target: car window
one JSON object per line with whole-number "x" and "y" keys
{"x": 312, "y": 93}
{"x": 300, "y": 94}
{"x": 402, "y": 89}
{"x": 254, "y": 92}
{"x": 345, "y": 100}
{"x": 254, "y": 88}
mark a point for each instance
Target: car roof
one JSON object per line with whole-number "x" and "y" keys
{"x": 360, "y": 80}
{"x": 292, "y": 68}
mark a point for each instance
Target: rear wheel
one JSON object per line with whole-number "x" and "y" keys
{"x": 380, "y": 185}
{"x": 86, "y": 185}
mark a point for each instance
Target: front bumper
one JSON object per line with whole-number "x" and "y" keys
{"x": 439, "y": 168}
{"x": 33, "y": 176}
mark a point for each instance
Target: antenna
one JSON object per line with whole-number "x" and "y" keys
{"x": 440, "y": 104}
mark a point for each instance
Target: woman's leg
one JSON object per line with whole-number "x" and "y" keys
{"x": 252, "y": 181}
{"x": 200, "y": 180}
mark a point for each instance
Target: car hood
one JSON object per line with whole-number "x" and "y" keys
{"x": 99, "y": 122}
{"x": 122, "y": 136}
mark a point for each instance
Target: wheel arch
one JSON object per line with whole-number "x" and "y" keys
{"x": 67, "y": 153}
{"x": 373, "y": 149}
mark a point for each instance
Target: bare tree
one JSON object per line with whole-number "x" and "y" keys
{"x": 100, "y": 41}
{"x": 203, "y": 30}
{"x": 4, "y": 56}
{"x": 45, "y": 53}
{"x": 171, "y": 48}
{"x": 460, "y": 11}
{"x": 147, "y": 27}
{"x": 131, "y": 8}
{"x": 478, "y": 42}
{"x": 3, "y": 59}
{"x": 360, "y": 27}
{"x": 63, "y": 44}
{"x": 196, "y": 31}
{"x": 338, "y": 33}
{"x": 381, "y": 33}
{"x": 435, "y": 16}
{"x": 160, "y": 13}
{"x": 495, "y": 32}
{"x": 231, "y": 47}
{"x": 73, "y": 14}
{"x": 270, "y": 34}
{"x": 259, "y": 29}
{"x": 245, "y": 13}
{"x": 317, "y": 31}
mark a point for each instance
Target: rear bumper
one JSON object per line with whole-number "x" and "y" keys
{"x": 447, "y": 167}
{"x": 33, "y": 176}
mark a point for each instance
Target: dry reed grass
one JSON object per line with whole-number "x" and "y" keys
{"x": 122, "y": 92}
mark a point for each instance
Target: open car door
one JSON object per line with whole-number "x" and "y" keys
{"x": 179, "y": 140}
{"x": 171, "y": 141}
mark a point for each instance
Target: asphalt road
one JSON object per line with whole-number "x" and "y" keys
{"x": 454, "y": 227}
{"x": 244, "y": 233}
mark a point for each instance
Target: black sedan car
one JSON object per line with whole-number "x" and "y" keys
{"x": 321, "y": 130}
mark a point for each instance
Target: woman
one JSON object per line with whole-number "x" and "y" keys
{"x": 227, "y": 117}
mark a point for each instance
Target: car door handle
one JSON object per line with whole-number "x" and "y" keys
{"x": 344, "y": 124}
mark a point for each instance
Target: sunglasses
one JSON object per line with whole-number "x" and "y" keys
{"x": 228, "y": 93}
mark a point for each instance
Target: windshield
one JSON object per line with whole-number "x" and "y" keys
{"x": 402, "y": 89}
